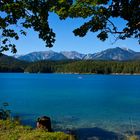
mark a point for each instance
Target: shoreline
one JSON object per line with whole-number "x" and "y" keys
{"x": 71, "y": 73}
{"x": 95, "y": 133}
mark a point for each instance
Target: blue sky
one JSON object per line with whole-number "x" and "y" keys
{"x": 66, "y": 41}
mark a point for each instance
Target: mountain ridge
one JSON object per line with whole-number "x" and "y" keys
{"x": 118, "y": 54}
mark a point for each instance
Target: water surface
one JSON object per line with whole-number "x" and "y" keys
{"x": 73, "y": 100}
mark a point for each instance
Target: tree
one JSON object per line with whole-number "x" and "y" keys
{"x": 26, "y": 14}
{"x": 34, "y": 14}
{"x": 101, "y": 13}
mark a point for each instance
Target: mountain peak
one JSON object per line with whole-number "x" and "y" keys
{"x": 72, "y": 55}
{"x": 118, "y": 54}
{"x": 129, "y": 50}
{"x": 124, "y": 48}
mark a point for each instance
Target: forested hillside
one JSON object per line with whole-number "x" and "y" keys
{"x": 99, "y": 67}
{"x": 9, "y": 64}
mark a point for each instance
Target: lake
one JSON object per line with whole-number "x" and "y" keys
{"x": 111, "y": 102}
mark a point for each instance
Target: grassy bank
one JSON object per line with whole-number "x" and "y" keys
{"x": 12, "y": 130}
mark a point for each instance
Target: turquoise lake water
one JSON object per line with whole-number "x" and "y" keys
{"x": 73, "y": 100}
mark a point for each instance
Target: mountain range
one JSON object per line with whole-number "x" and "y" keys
{"x": 116, "y": 54}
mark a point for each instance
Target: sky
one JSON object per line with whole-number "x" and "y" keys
{"x": 66, "y": 41}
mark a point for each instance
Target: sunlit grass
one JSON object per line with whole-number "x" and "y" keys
{"x": 12, "y": 130}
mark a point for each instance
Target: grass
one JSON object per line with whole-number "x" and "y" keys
{"x": 12, "y": 130}
{"x": 133, "y": 137}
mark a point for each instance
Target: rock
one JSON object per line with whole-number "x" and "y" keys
{"x": 44, "y": 123}
{"x": 71, "y": 134}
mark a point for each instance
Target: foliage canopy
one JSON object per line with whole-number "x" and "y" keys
{"x": 34, "y": 14}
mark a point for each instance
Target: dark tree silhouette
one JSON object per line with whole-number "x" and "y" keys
{"x": 25, "y": 14}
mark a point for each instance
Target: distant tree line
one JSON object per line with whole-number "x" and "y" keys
{"x": 71, "y": 66}
{"x": 9, "y": 64}
{"x": 90, "y": 66}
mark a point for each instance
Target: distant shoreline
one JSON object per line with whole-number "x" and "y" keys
{"x": 72, "y": 73}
